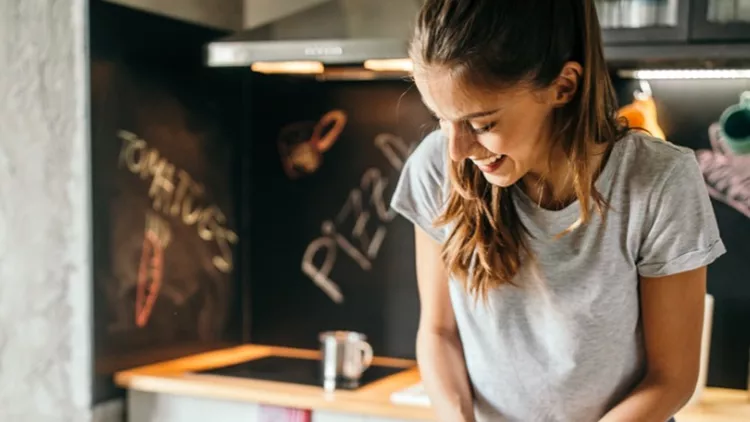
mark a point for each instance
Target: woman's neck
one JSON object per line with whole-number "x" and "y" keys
{"x": 553, "y": 187}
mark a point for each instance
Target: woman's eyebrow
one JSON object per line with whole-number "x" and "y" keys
{"x": 470, "y": 116}
{"x": 479, "y": 114}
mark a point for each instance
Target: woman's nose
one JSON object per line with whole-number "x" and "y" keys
{"x": 459, "y": 141}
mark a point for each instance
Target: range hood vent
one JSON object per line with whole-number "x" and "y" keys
{"x": 331, "y": 32}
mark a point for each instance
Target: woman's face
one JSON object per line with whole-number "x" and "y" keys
{"x": 506, "y": 133}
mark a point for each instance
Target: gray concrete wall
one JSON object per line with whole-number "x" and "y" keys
{"x": 45, "y": 233}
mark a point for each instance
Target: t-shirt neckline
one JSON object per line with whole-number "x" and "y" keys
{"x": 525, "y": 203}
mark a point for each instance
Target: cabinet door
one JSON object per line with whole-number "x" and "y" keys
{"x": 162, "y": 407}
{"x": 324, "y": 416}
{"x": 639, "y": 21}
{"x": 727, "y": 20}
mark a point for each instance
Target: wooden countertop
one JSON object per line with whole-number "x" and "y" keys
{"x": 718, "y": 405}
{"x": 176, "y": 377}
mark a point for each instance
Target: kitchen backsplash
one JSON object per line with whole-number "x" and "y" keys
{"x": 326, "y": 250}
{"x": 165, "y": 187}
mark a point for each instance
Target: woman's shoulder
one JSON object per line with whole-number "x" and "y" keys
{"x": 649, "y": 160}
{"x": 427, "y": 165}
{"x": 422, "y": 186}
{"x": 431, "y": 152}
{"x": 663, "y": 187}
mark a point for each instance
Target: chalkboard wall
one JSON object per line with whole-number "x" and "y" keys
{"x": 165, "y": 165}
{"x": 371, "y": 284}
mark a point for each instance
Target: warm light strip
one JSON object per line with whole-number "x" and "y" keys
{"x": 309, "y": 67}
{"x": 389, "y": 65}
{"x": 686, "y": 74}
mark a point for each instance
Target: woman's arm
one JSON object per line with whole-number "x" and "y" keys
{"x": 672, "y": 311}
{"x": 439, "y": 352}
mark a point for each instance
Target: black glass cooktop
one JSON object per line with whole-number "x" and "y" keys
{"x": 295, "y": 370}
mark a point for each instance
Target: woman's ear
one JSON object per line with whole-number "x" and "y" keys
{"x": 565, "y": 86}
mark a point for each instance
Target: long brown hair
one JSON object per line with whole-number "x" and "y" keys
{"x": 498, "y": 43}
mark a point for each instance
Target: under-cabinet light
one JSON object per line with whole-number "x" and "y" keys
{"x": 389, "y": 65}
{"x": 298, "y": 67}
{"x": 685, "y": 73}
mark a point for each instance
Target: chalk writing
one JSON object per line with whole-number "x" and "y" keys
{"x": 319, "y": 275}
{"x": 176, "y": 194}
{"x": 151, "y": 269}
{"x": 726, "y": 174}
{"x": 394, "y": 149}
{"x": 365, "y": 205}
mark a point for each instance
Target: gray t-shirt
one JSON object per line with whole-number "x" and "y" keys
{"x": 566, "y": 344}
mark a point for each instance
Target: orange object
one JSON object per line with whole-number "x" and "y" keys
{"x": 641, "y": 113}
{"x": 149, "y": 278}
{"x": 302, "y": 144}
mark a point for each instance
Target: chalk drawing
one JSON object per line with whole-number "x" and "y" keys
{"x": 364, "y": 204}
{"x": 176, "y": 194}
{"x": 302, "y": 144}
{"x": 151, "y": 268}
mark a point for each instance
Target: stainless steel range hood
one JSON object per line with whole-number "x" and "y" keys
{"x": 327, "y": 32}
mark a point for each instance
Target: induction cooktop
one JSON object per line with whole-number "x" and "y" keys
{"x": 296, "y": 371}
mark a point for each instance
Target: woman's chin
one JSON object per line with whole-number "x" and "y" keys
{"x": 502, "y": 174}
{"x": 501, "y": 180}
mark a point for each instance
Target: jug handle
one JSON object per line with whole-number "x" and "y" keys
{"x": 367, "y": 354}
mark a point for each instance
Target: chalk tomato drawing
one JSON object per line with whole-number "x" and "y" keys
{"x": 150, "y": 274}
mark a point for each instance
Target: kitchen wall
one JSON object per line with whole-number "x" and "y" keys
{"x": 164, "y": 141}
{"x": 45, "y": 234}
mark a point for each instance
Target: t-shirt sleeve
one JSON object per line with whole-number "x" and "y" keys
{"x": 419, "y": 193}
{"x": 681, "y": 232}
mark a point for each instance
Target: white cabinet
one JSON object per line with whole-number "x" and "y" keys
{"x": 162, "y": 407}
{"x": 159, "y": 407}
{"x": 337, "y": 417}
{"x": 321, "y": 416}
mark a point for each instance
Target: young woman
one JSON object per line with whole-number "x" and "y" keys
{"x": 561, "y": 256}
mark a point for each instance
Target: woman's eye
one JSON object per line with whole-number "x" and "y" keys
{"x": 483, "y": 129}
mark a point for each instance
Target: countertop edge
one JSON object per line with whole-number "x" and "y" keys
{"x": 178, "y": 377}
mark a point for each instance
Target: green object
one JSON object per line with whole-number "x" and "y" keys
{"x": 735, "y": 125}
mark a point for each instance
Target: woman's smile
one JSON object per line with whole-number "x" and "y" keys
{"x": 489, "y": 164}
